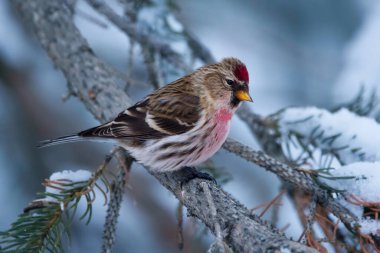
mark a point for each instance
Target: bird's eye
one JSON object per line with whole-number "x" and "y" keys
{"x": 229, "y": 82}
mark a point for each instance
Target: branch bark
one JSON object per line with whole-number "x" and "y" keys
{"x": 294, "y": 177}
{"x": 101, "y": 90}
{"x": 263, "y": 128}
{"x": 116, "y": 198}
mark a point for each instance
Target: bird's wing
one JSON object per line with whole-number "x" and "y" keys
{"x": 161, "y": 114}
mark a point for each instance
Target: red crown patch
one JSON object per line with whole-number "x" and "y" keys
{"x": 241, "y": 73}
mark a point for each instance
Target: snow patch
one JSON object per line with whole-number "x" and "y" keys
{"x": 74, "y": 176}
{"x": 355, "y": 141}
{"x": 368, "y": 226}
{"x": 354, "y": 138}
{"x": 66, "y": 176}
{"x": 364, "y": 183}
{"x": 363, "y": 186}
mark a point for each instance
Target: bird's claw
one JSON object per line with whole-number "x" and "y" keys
{"x": 190, "y": 173}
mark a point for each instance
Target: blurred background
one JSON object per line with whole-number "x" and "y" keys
{"x": 298, "y": 53}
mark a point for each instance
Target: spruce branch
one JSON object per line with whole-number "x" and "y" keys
{"x": 318, "y": 151}
{"x": 46, "y": 220}
{"x": 294, "y": 177}
{"x": 35, "y": 231}
{"x": 365, "y": 103}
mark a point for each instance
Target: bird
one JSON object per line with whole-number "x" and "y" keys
{"x": 181, "y": 124}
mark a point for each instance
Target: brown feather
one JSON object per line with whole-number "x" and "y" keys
{"x": 171, "y": 110}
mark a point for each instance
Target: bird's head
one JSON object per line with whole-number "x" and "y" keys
{"x": 227, "y": 82}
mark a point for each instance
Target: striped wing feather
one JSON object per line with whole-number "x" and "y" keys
{"x": 164, "y": 113}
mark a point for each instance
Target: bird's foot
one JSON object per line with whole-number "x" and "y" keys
{"x": 189, "y": 173}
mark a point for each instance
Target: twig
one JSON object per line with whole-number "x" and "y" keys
{"x": 311, "y": 215}
{"x": 140, "y": 34}
{"x": 293, "y": 177}
{"x": 90, "y": 18}
{"x": 269, "y": 203}
{"x": 282, "y": 170}
{"x": 130, "y": 62}
{"x": 180, "y": 240}
{"x": 114, "y": 205}
{"x": 151, "y": 66}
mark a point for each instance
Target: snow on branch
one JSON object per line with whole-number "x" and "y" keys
{"x": 342, "y": 148}
{"x": 67, "y": 176}
{"x": 45, "y": 222}
{"x": 366, "y": 103}
{"x": 313, "y": 138}
{"x": 360, "y": 185}
{"x": 348, "y": 136}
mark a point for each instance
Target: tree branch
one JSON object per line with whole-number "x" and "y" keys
{"x": 138, "y": 33}
{"x": 116, "y": 198}
{"x": 260, "y": 126}
{"x": 101, "y": 91}
{"x": 128, "y": 26}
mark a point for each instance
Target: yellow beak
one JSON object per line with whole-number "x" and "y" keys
{"x": 243, "y": 96}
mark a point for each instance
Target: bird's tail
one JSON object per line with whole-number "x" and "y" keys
{"x": 60, "y": 140}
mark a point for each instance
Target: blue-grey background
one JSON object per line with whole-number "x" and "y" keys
{"x": 297, "y": 52}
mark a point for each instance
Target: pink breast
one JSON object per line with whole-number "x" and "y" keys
{"x": 217, "y": 136}
{"x": 222, "y": 121}
{"x": 223, "y": 115}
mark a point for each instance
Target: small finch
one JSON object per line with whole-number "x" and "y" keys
{"x": 181, "y": 124}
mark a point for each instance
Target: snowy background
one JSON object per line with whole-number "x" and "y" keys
{"x": 298, "y": 53}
